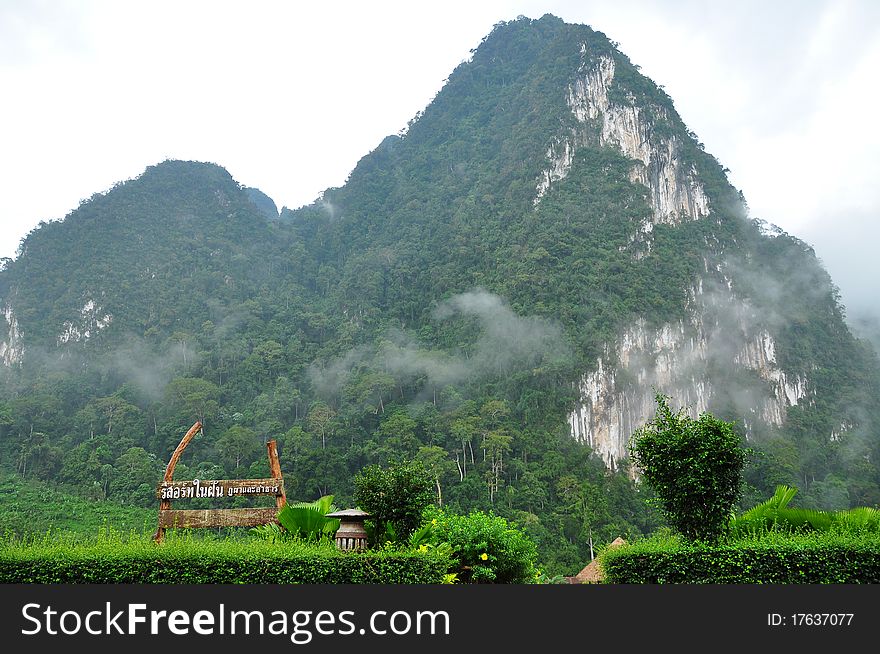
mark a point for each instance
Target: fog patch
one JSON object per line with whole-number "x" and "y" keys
{"x": 146, "y": 368}
{"x": 507, "y": 343}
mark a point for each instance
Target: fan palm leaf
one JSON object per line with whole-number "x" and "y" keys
{"x": 308, "y": 520}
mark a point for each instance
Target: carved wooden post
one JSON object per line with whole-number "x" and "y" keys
{"x": 165, "y": 504}
{"x": 275, "y": 468}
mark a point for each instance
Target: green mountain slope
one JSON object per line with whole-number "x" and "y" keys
{"x": 498, "y": 291}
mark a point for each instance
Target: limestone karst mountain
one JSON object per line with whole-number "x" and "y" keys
{"x": 523, "y": 267}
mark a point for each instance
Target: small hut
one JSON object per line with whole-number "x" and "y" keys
{"x": 592, "y": 574}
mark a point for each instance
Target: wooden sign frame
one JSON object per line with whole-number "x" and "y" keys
{"x": 169, "y": 490}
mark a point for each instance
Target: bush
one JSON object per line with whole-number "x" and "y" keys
{"x": 195, "y": 561}
{"x": 775, "y": 558}
{"x": 694, "y": 466}
{"x": 488, "y": 548}
{"x": 396, "y": 496}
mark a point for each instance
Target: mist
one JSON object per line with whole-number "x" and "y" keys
{"x": 507, "y": 343}
{"x": 847, "y": 246}
{"x": 145, "y": 369}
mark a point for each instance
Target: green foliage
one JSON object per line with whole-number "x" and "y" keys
{"x": 857, "y": 520}
{"x": 116, "y": 559}
{"x": 695, "y": 467}
{"x": 774, "y": 558}
{"x": 308, "y": 521}
{"x": 424, "y": 535}
{"x": 395, "y": 496}
{"x": 271, "y": 532}
{"x": 776, "y": 515}
{"x": 30, "y": 508}
{"x": 238, "y": 447}
{"x": 487, "y": 547}
{"x": 543, "y": 578}
{"x": 770, "y": 543}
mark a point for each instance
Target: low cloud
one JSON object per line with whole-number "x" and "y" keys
{"x": 146, "y": 369}
{"x": 507, "y": 343}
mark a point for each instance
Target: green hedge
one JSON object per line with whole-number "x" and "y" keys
{"x": 771, "y": 559}
{"x": 211, "y": 562}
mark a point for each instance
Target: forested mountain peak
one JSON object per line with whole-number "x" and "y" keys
{"x": 116, "y": 261}
{"x": 498, "y": 290}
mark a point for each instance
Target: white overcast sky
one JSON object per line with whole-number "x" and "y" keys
{"x": 289, "y": 95}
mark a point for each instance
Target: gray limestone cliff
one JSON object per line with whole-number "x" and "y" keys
{"x": 676, "y": 359}
{"x": 675, "y": 193}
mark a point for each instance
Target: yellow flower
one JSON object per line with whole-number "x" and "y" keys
{"x": 484, "y": 556}
{"x": 423, "y": 548}
{"x": 434, "y": 522}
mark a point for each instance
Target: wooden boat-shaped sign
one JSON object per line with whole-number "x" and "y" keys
{"x": 169, "y": 490}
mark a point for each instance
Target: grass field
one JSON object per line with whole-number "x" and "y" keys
{"x": 28, "y": 508}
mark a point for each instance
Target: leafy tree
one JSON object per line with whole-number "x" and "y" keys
{"x": 695, "y": 467}
{"x": 135, "y": 474}
{"x": 465, "y": 430}
{"x": 495, "y": 443}
{"x": 437, "y": 465}
{"x": 118, "y": 416}
{"x": 395, "y": 496}
{"x": 320, "y": 419}
{"x": 238, "y": 445}
{"x": 193, "y": 399}
{"x": 86, "y": 463}
{"x": 396, "y": 437}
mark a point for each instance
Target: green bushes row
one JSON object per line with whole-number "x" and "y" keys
{"x": 695, "y": 467}
{"x": 192, "y": 561}
{"x": 817, "y": 558}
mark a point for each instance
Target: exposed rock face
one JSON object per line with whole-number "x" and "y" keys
{"x": 675, "y": 359}
{"x": 674, "y": 192}
{"x": 618, "y": 397}
{"x": 759, "y": 354}
{"x": 11, "y": 347}
{"x": 90, "y": 321}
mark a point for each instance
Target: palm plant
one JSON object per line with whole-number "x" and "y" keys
{"x": 776, "y": 515}
{"x": 859, "y": 519}
{"x": 307, "y": 520}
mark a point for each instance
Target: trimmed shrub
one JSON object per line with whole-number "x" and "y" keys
{"x": 487, "y": 547}
{"x": 818, "y": 558}
{"x": 695, "y": 467}
{"x": 191, "y": 561}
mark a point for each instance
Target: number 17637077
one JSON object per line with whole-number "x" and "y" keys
{"x": 810, "y": 619}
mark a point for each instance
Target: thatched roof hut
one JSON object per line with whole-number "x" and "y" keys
{"x": 592, "y": 574}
